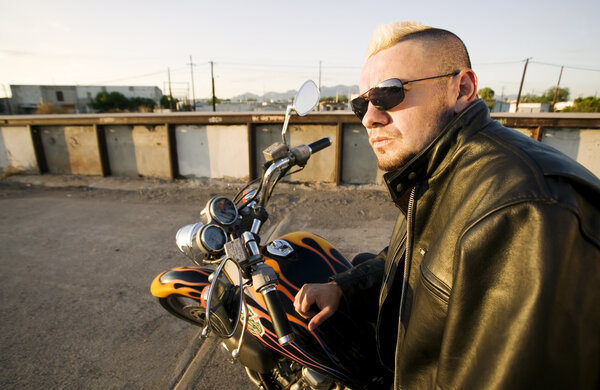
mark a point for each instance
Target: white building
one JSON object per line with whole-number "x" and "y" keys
{"x": 72, "y": 99}
{"x": 559, "y": 106}
{"x": 529, "y": 107}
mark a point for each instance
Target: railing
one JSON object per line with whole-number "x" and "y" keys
{"x": 217, "y": 145}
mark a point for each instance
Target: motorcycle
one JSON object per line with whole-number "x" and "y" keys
{"x": 244, "y": 292}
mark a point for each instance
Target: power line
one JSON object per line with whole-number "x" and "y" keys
{"x": 129, "y": 78}
{"x": 137, "y": 77}
{"x": 566, "y": 66}
{"x": 281, "y": 68}
{"x": 248, "y": 64}
{"x": 499, "y": 63}
{"x": 287, "y": 66}
{"x": 540, "y": 63}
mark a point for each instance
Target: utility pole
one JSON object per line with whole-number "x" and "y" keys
{"x": 170, "y": 91}
{"x": 193, "y": 91}
{"x": 320, "y": 62}
{"x": 521, "y": 86}
{"x": 556, "y": 90}
{"x": 213, "y": 87}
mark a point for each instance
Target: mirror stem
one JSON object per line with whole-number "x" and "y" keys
{"x": 288, "y": 112}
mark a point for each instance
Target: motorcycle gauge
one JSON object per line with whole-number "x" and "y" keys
{"x": 222, "y": 210}
{"x": 213, "y": 238}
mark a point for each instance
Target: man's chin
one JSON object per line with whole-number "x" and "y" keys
{"x": 389, "y": 164}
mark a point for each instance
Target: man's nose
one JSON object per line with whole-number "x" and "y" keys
{"x": 374, "y": 117}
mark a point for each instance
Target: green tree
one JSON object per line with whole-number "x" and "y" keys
{"x": 167, "y": 101}
{"x": 217, "y": 101}
{"x": 141, "y": 104}
{"x": 110, "y": 101}
{"x": 487, "y": 95}
{"x": 561, "y": 96}
{"x": 547, "y": 96}
{"x": 586, "y": 104}
{"x": 340, "y": 99}
{"x": 531, "y": 98}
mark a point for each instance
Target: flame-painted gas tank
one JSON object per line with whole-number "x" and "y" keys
{"x": 337, "y": 348}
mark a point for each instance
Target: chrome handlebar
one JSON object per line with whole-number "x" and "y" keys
{"x": 245, "y": 252}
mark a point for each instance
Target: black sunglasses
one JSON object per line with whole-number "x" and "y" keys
{"x": 386, "y": 95}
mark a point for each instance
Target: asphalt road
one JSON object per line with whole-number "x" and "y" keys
{"x": 76, "y": 264}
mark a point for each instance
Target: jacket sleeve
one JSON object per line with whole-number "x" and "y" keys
{"x": 523, "y": 312}
{"x": 360, "y": 286}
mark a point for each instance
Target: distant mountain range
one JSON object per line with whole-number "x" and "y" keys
{"x": 325, "y": 92}
{"x": 286, "y": 96}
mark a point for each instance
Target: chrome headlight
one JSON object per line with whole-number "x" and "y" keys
{"x": 200, "y": 242}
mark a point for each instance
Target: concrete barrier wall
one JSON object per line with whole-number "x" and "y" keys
{"x": 264, "y": 135}
{"x": 121, "y": 151}
{"x": 152, "y": 153}
{"x": 358, "y": 158}
{"x": 230, "y": 145}
{"x": 16, "y": 149}
{"x": 321, "y": 167}
{"x": 582, "y": 145}
{"x": 138, "y": 150}
{"x": 83, "y": 149}
{"x": 213, "y": 151}
{"x": 55, "y": 149}
{"x": 71, "y": 149}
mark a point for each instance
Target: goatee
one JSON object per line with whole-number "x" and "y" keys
{"x": 443, "y": 120}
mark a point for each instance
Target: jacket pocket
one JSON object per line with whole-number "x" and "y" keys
{"x": 434, "y": 285}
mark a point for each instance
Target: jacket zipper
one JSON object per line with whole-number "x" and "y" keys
{"x": 407, "y": 258}
{"x": 385, "y": 283}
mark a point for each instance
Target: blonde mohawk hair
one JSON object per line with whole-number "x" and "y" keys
{"x": 387, "y": 35}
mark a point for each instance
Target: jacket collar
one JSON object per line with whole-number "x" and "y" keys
{"x": 424, "y": 164}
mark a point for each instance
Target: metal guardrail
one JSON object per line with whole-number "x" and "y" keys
{"x": 520, "y": 120}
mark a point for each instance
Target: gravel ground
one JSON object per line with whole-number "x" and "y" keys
{"x": 79, "y": 253}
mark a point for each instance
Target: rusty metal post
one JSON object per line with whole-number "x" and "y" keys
{"x": 536, "y": 133}
{"x": 252, "y": 158}
{"x": 339, "y": 152}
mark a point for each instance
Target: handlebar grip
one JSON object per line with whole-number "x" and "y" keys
{"x": 281, "y": 324}
{"x": 320, "y": 144}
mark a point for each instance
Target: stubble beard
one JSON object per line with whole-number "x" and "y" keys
{"x": 389, "y": 163}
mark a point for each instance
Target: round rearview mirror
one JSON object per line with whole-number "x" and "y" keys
{"x": 307, "y": 98}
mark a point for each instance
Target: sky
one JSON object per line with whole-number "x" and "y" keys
{"x": 261, "y": 46}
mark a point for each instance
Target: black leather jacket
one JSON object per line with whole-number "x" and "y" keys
{"x": 501, "y": 284}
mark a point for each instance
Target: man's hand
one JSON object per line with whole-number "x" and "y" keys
{"x": 325, "y": 296}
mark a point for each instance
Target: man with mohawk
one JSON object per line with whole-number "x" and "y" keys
{"x": 491, "y": 279}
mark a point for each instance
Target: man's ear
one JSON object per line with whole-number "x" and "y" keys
{"x": 466, "y": 89}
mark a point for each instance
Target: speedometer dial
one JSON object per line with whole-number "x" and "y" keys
{"x": 222, "y": 210}
{"x": 213, "y": 238}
